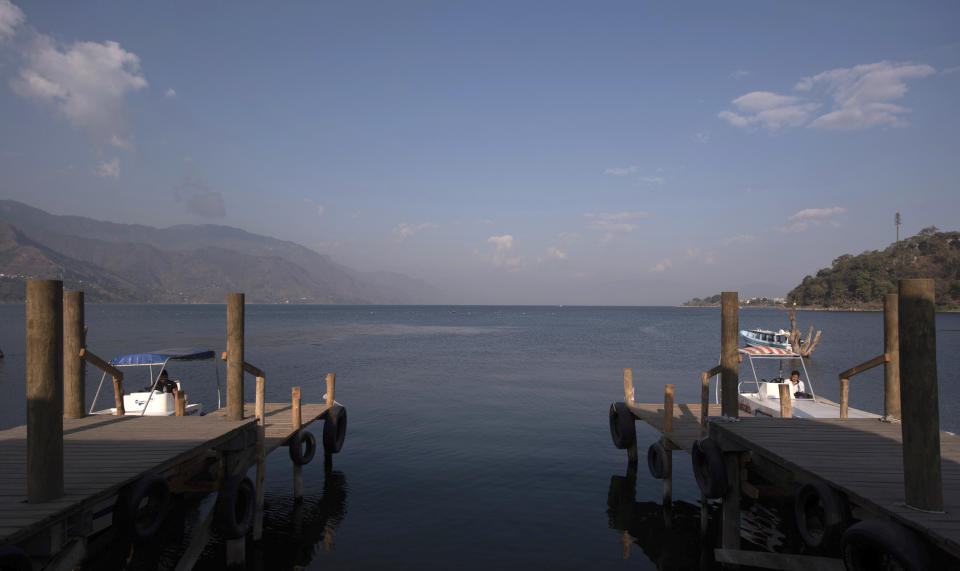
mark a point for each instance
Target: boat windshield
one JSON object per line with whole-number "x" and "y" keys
{"x": 784, "y": 360}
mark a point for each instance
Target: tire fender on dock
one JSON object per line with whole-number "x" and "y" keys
{"x": 708, "y": 467}
{"x": 623, "y": 429}
{"x": 657, "y": 460}
{"x": 142, "y": 506}
{"x": 821, "y": 514}
{"x": 882, "y": 544}
{"x": 235, "y": 507}
{"x": 298, "y": 454}
{"x": 334, "y": 429}
{"x": 13, "y": 558}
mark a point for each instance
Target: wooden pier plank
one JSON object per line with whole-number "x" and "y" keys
{"x": 278, "y": 420}
{"x": 686, "y": 421}
{"x": 102, "y": 454}
{"x": 861, "y": 457}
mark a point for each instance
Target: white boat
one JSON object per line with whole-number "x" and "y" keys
{"x": 761, "y": 397}
{"x": 151, "y": 401}
{"x": 767, "y": 338}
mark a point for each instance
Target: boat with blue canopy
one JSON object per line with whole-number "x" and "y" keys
{"x": 157, "y": 398}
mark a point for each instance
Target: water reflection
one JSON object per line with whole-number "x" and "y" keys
{"x": 294, "y": 533}
{"x": 670, "y": 537}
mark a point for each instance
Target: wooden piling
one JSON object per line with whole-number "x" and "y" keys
{"x": 297, "y": 424}
{"x": 844, "y": 397}
{"x": 235, "y": 309}
{"x": 786, "y": 405}
{"x": 44, "y": 344}
{"x": 891, "y": 346}
{"x": 180, "y": 402}
{"x": 729, "y": 368}
{"x": 922, "y": 478}
{"x": 628, "y": 393}
{"x": 730, "y": 534}
{"x": 74, "y": 369}
{"x": 261, "y": 460}
{"x": 331, "y": 385}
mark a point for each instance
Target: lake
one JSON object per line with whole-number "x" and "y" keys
{"x": 477, "y": 436}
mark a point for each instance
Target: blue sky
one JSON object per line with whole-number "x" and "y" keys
{"x": 506, "y": 152}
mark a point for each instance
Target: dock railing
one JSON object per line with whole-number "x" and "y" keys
{"x": 114, "y": 372}
{"x": 845, "y": 379}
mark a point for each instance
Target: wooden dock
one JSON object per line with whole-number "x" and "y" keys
{"x": 278, "y": 420}
{"x": 861, "y": 458}
{"x": 102, "y": 454}
{"x": 686, "y": 427}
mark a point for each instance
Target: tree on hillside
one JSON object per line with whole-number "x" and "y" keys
{"x": 861, "y": 281}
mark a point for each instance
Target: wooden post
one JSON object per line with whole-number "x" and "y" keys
{"x": 628, "y": 393}
{"x": 235, "y": 308}
{"x": 297, "y": 424}
{"x": 919, "y": 400}
{"x": 261, "y": 460}
{"x": 331, "y": 384}
{"x": 844, "y": 397}
{"x": 44, "y": 377}
{"x": 668, "y": 408}
{"x": 668, "y": 488}
{"x": 74, "y": 368}
{"x": 180, "y": 402}
{"x": 786, "y": 405}
{"x": 704, "y": 402}
{"x": 729, "y": 367}
{"x": 730, "y": 538}
{"x": 891, "y": 346}
{"x": 118, "y": 396}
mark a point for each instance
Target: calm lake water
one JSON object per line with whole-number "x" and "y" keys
{"x": 477, "y": 436}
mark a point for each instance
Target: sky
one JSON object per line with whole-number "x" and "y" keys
{"x": 602, "y": 153}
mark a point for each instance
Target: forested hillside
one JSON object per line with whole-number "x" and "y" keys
{"x": 861, "y": 281}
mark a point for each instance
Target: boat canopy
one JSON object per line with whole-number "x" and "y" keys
{"x": 161, "y": 356}
{"x": 767, "y": 352}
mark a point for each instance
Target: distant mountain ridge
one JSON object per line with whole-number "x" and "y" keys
{"x": 184, "y": 263}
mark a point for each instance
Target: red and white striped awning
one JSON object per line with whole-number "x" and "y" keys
{"x": 767, "y": 351}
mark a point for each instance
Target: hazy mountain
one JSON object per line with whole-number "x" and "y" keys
{"x": 201, "y": 263}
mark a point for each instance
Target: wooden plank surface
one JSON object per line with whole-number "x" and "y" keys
{"x": 686, "y": 421}
{"x": 861, "y": 457}
{"x": 101, "y": 455}
{"x": 278, "y": 420}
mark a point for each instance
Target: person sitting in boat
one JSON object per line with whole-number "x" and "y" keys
{"x": 797, "y": 386}
{"x": 164, "y": 384}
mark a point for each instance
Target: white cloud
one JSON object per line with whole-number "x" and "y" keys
{"x": 320, "y": 209}
{"x": 693, "y": 252}
{"x": 613, "y": 222}
{"x": 861, "y": 97}
{"x": 662, "y": 266}
{"x": 108, "y": 169}
{"x": 554, "y": 253}
{"x": 170, "y": 93}
{"x": 503, "y": 248}
{"x": 404, "y": 230}
{"x": 740, "y": 74}
{"x": 770, "y": 110}
{"x": 702, "y": 137}
{"x": 486, "y": 221}
{"x": 811, "y": 217}
{"x": 10, "y": 19}
{"x": 622, "y": 171}
{"x": 652, "y": 179}
{"x": 85, "y": 81}
{"x": 861, "y": 94}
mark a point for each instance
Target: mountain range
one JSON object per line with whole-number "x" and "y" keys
{"x": 113, "y": 262}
